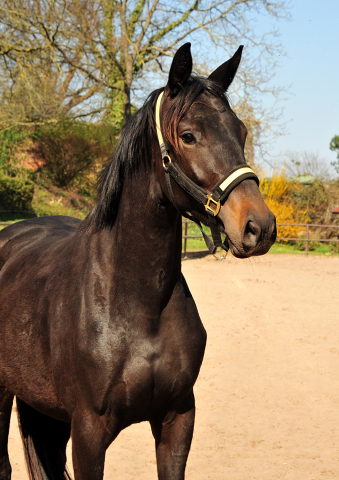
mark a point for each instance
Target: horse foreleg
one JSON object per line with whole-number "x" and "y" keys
{"x": 173, "y": 436}
{"x": 91, "y": 435}
{"x": 6, "y": 402}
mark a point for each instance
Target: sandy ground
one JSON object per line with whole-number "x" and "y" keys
{"x": 268, "y": 392}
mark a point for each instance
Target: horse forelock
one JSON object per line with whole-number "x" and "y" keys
{"x": 183, "y": 101}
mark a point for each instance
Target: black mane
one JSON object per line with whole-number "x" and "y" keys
{"x": 133, "y": 151}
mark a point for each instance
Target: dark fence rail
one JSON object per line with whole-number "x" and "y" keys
{"x": 307, "y": 238}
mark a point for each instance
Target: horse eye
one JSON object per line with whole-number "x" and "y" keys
{"x": 188, "y": 138}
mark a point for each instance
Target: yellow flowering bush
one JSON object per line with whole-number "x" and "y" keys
{"x": 279, "y": 194}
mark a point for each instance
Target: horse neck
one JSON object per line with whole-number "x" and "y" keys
{"x": 146, "y": 222}
{"x": 144, "y": 245}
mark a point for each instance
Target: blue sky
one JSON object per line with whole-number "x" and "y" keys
{"x": 311, "y": 69}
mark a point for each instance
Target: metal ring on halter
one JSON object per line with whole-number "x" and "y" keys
{"x": 222, "y": 257}
{"x": 166, "y": 160}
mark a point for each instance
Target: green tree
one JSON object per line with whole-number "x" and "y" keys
{"x": 334, "y": 146}
{"x": 70, "y": 150}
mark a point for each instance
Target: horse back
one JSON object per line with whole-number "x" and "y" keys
{"x": 33, "y": 232}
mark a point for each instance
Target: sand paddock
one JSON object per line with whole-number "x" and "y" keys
{"x": 268, "y": 392}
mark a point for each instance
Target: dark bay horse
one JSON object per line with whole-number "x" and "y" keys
{"x": 98, "y": 329}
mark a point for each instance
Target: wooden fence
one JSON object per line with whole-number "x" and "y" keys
{"x": 307, "y": 238}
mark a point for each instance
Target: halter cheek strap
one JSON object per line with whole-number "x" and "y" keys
{"x": 211, "y": 201}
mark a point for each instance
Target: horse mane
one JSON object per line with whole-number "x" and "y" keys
{"x": 133, "y": 151}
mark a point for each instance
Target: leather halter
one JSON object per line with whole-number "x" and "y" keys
{"x": 211, "y": 201}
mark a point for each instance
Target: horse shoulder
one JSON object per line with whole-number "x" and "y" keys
{"x": 182, "y": 340}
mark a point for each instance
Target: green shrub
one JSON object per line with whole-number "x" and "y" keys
{"x": 9, "y": 141}
{"x": 15, "y": 193}
{"x": 313, "y": 246}
{"x": 71, "y": 150}
{"x": 301, "y": 245}
{"x": 314, "y": 199}
{"x": 333, "y": 247}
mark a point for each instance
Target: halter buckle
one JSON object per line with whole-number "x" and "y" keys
{"x": 212, "y": 208}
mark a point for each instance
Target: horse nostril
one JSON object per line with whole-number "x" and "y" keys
{"x": 251, "y": 234}
{"x": 250, "y": 228}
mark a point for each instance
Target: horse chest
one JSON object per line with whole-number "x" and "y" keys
{"x": 160, "y": 371}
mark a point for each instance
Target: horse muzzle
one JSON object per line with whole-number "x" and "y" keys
{"x": 249, "y": 224}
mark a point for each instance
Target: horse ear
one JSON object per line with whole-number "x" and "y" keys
{"x": 181, "y": 69}
{"x": 225, "y": 74}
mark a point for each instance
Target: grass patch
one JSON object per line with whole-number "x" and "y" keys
{"x": 283, "y": 248}
{"x": 194, "y": 243}
{"x": 317, "y": 248}
{"x": 47, "y": 203}
{"x": 49, "y": 200}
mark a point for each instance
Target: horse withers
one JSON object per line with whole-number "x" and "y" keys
{"x": 98, "y": 329}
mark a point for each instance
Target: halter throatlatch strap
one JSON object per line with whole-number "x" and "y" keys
{"x": 211, "y": 201}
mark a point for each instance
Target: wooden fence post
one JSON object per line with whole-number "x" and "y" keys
{"x": 306, "y": 243}
{"x": 185, "y": 239}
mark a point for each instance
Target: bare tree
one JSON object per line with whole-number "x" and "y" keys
{"x": 103, "y": 49}
{"x": 299, "y": 164}
{"x": 38, "y": 86}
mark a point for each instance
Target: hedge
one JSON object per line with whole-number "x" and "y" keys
{"x": 15, "y": 193}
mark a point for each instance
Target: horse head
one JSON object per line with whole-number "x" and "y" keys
{"x": 203, "y": 150}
